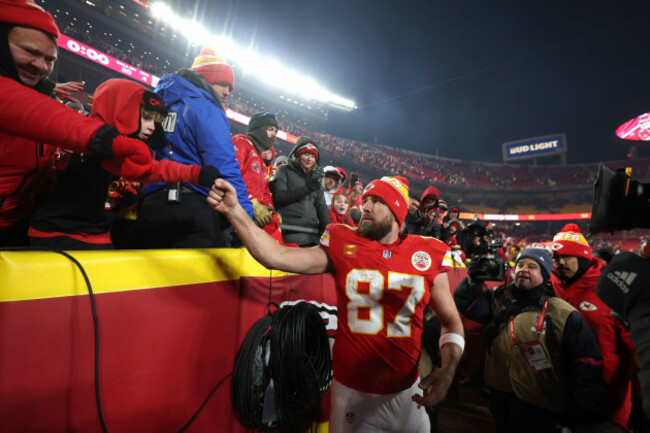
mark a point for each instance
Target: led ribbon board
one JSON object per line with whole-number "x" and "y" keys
{"x": 104, "y": 59}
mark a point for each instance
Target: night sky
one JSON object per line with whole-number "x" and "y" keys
{"x": 461, "y": 77}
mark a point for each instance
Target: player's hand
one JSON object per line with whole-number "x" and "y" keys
{"x": 223, "y": 196}
{"x": 439, "y": 380}
{"x": 65, "y": 91}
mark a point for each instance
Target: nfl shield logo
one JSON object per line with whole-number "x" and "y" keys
{"x": 386, "y": 254}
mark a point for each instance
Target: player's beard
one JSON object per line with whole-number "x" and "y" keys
{"x": 375, "y": 230}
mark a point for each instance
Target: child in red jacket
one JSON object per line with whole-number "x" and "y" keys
{"x": 73, "y": 215}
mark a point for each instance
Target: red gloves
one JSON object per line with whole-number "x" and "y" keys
{"x": 131, "y": 159}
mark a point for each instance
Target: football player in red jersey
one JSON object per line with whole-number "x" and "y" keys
{"x": 384, "y": 280}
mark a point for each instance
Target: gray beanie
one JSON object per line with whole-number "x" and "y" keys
{"x": 541, "y": 256}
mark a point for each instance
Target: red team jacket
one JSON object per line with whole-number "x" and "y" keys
{"x": 26, "y": 164}
{"x": 613, "y": 340}
{"x": 253, "y": 170}
{"x": 382, "y": 291}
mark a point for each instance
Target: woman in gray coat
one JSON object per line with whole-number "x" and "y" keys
{"x": 298, "y": 195}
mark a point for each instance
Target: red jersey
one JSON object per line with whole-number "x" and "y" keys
{"x": 382, "y": 291}
{"x": 253, "y": 170}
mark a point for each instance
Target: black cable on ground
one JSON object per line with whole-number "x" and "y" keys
{"x": 282, "y": 369}
{"x": 96, "y": 329}
{"x": 196, "y": 414}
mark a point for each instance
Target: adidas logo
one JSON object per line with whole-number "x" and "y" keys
{"x": 622, "y": 279}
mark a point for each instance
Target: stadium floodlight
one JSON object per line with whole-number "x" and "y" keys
{"x": 267, "y": 70}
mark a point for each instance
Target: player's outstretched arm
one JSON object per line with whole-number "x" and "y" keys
{"x": 223, "y": 198}
{"x": 440, "y": 379}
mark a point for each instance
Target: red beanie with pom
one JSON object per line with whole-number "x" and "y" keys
{"x": 570, "y": 242}
{"x": 394, "y": 191}
{"x": 213, "y": 69}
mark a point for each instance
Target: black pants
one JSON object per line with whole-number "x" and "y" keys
{"x": 192, "y": 223}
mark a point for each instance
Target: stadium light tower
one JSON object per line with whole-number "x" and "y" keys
{"x": 267, "y": 70}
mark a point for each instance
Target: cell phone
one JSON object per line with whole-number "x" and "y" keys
{"x": 431, "y": 207}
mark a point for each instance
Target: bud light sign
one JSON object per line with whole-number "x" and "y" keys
{"x": 535, "y": 147}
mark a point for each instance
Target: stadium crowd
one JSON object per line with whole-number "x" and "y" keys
{"x": 382, "y": 159}
{"x": 136, "y": 173}
{"x": 442, "y": 171}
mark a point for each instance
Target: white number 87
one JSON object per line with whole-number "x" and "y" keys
{"x": 374, "y": 323}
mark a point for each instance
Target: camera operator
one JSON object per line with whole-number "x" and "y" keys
{"x": 543, "y": 362}
{"x": 473, "y": 240}
{"x": 623, "y": 285}
{"x": 574, "y": 280}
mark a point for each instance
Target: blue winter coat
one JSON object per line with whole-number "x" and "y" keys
{"x": 198, "y": 133}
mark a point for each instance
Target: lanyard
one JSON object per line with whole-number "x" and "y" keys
{"x": 538, "y": 326}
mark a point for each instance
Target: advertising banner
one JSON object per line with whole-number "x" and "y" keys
{"x": 534, "y": 147}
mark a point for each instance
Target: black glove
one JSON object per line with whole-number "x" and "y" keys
{"x": 474, "y": 271}
{"x": 102, "y": 143}
{"x": 313, "y": 181}
{"x": 208, "y": 175}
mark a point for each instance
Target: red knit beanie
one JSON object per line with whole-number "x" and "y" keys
{"x": 306, "y": 145}
{"x": 213, "y": 69}
{"x": 26, "y": 13}
{"x": 394, "y": 191}
{"x": 571, "y": 243}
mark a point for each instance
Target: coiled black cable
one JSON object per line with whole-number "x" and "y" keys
{"x": 284, "y": 366}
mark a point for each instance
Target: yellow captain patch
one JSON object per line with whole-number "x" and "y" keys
{"x": 350, "y": 250}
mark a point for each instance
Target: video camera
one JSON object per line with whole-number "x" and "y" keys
{"x": 491, "y": 267}
{"x": 620, "y": 203}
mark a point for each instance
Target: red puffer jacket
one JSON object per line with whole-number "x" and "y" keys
{"x": 613, "y": 340}
{"x": 28, "y": 120}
